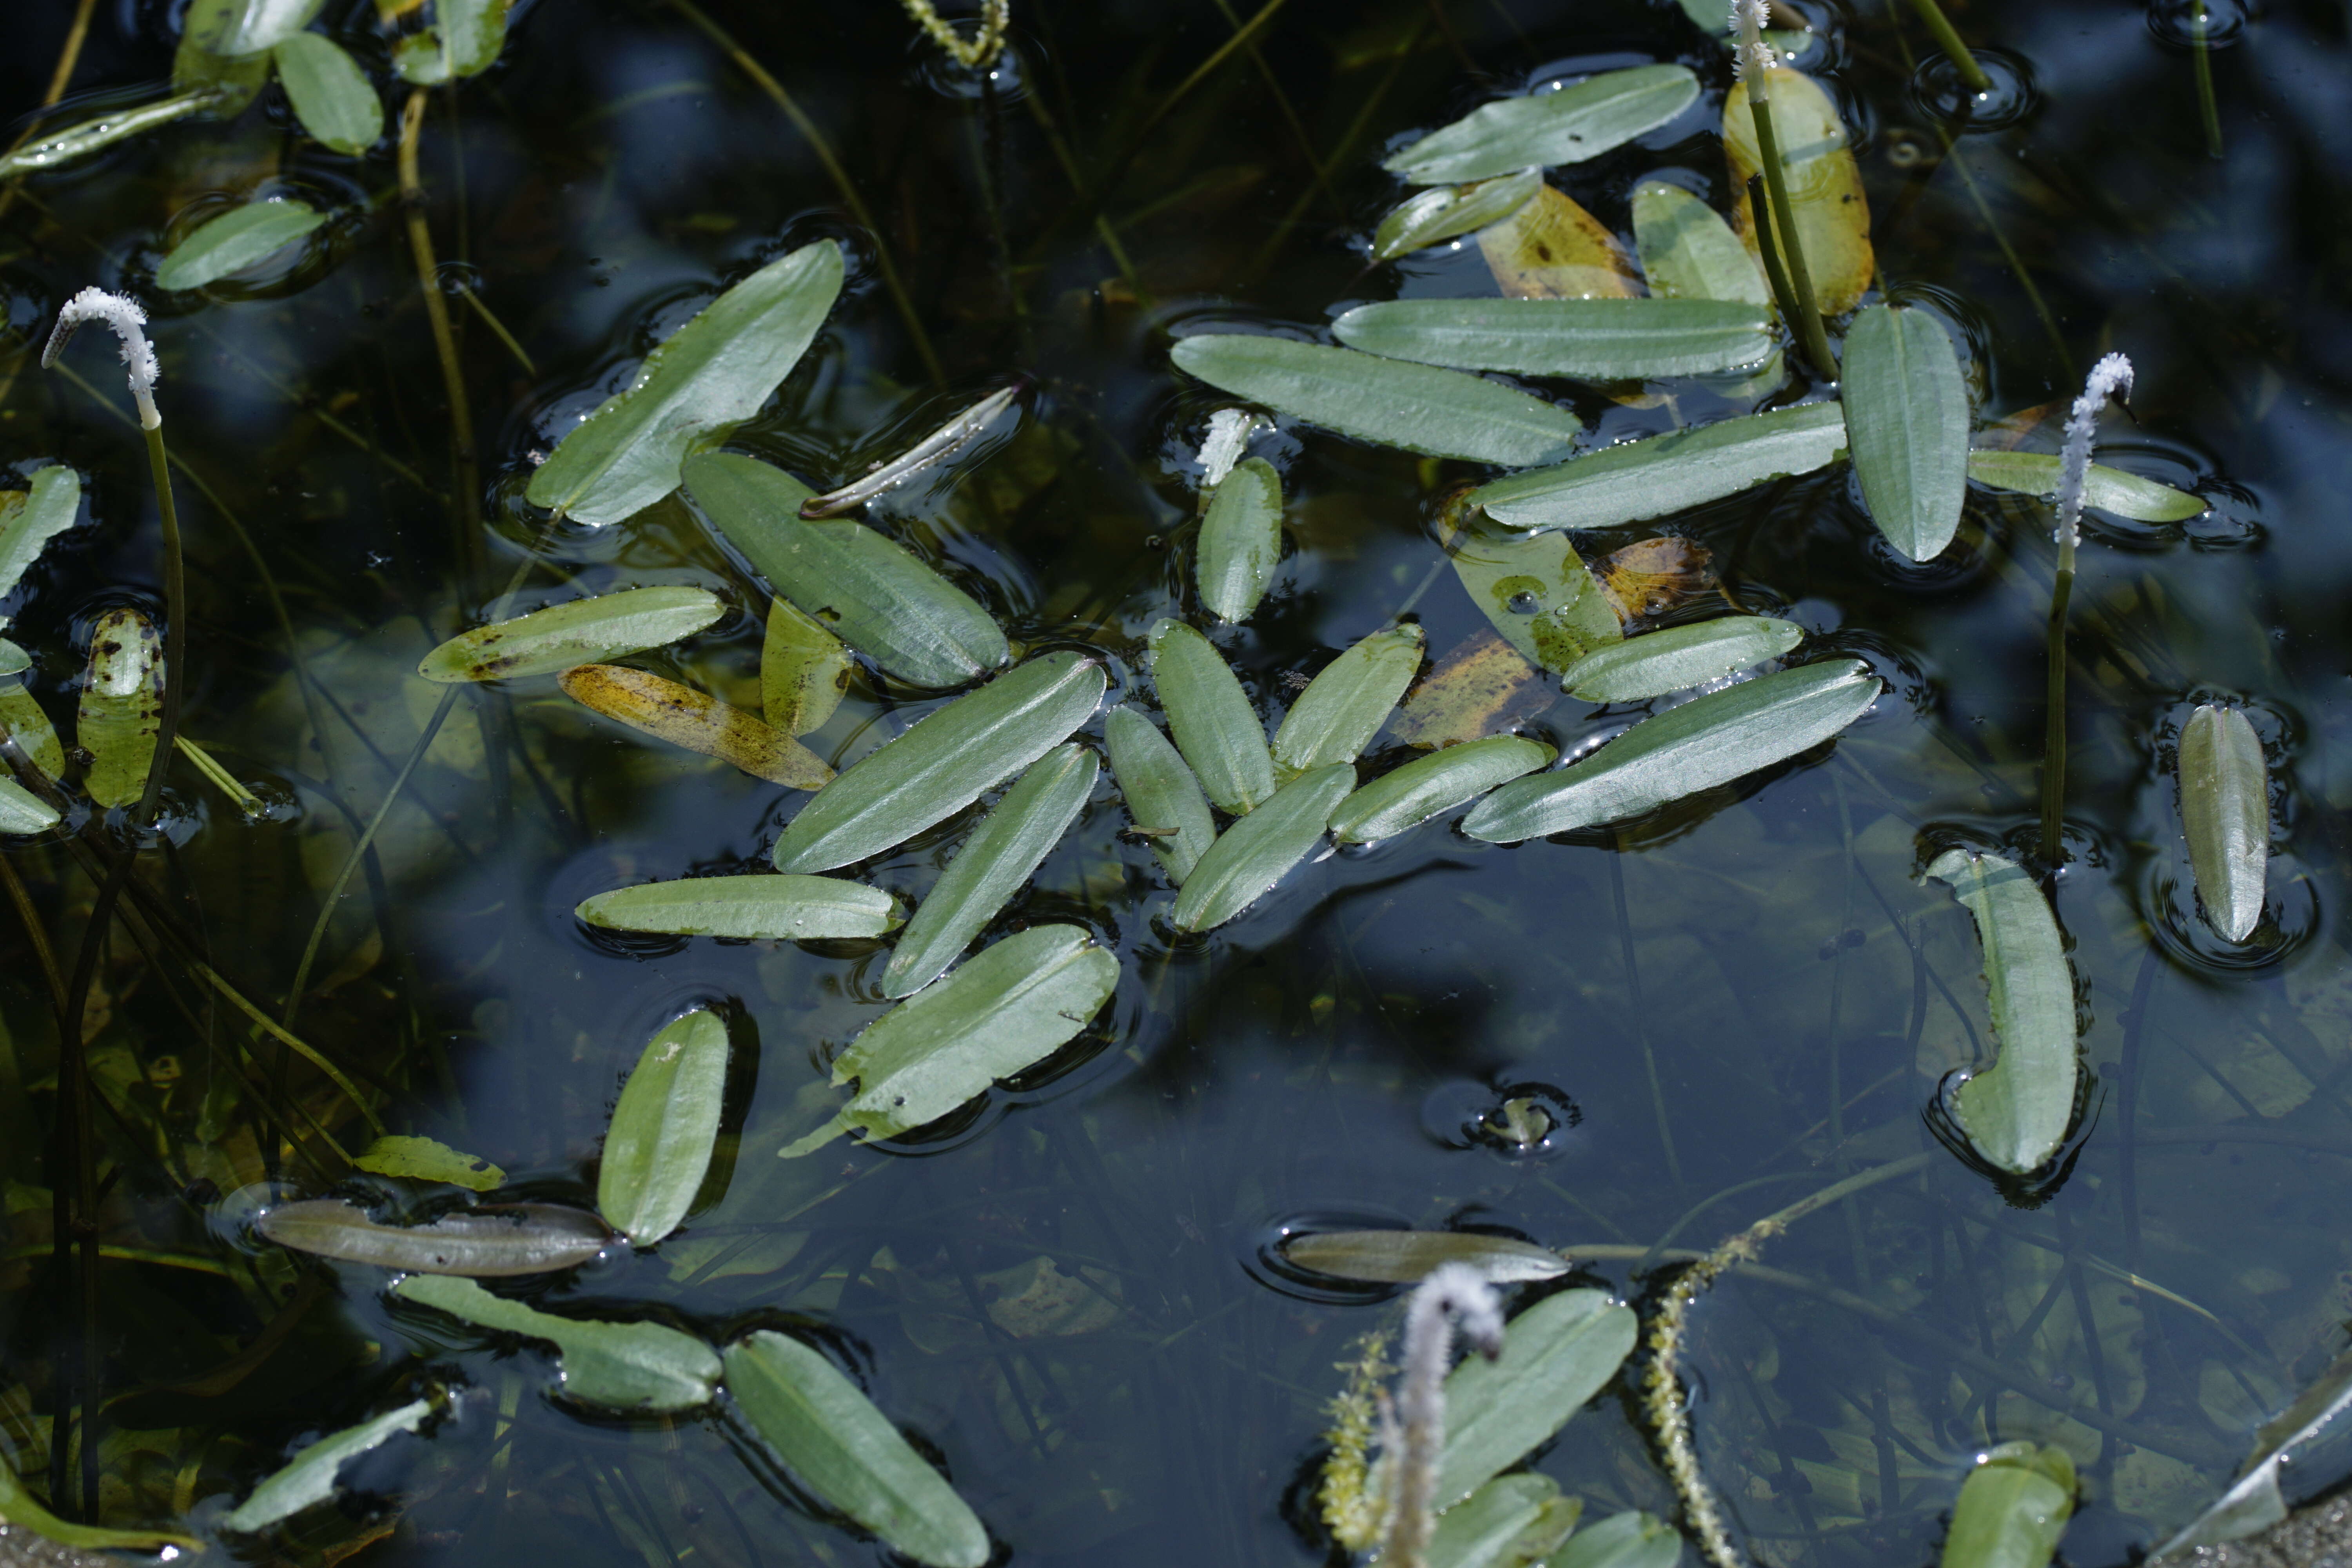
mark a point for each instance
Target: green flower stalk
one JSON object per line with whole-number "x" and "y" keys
{"x": 2111, "y": 377}
{"x": 1753, "y": 59}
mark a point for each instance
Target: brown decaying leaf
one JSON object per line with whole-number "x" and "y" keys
{"x": 1553, "y": 249}
{"x": 1649, "y": 579}
{"x": 695, "y": 721}
{"x": 1482, "y": 687}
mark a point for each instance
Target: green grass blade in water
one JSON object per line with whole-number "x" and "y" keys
{"x": 1407, "y": 1257}
{"x": 1431, "y": 785}
{"x": 1679, "y": 657}
{"x": 1908, "y": 424}
{"x": 1556, "y": 1355}
{"x": 640, "y": 1367}
{"x": 2104, "y": 489}
{"x": 2225, "y": 808}
{"x": 491, "y": 1242}
{"x": 1241, "y": 540}
{"x": 1347, "y": 703}
{"x": 1164, "y": 799}
{"x": 758, "y": 906}
{"x": 1661, "y": 474}
{"x": 804, "y": 671}
{"x": 121, "y": 707}
{"x": 310, "y": 1477}
{"x": 584, "y": 631}
{"x": 236, "y": 240}
{"x": 1445, "y": 211}
{"x": 2012, "y": 1509}
{"x": 1564, "y": 126}
{"x": 331, "y": 95}
{"x": 1259, "y": 850}
{"x": 1593, "y": 340}
{"x": 2015, "y": 1111}
{"x": 30, "y": 519}
{"x": 1214, "y": 726}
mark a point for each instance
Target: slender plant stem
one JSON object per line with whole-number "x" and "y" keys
{"x": 2200, "y": 53}
{"x": 1775, "y": 272}
{"x": 39, "y": 937}
{"x": 68, "y": 56}
{"x": 2053, "y": 740}
{"x": 81, "y": 141}
{"x": 1640, "y": 1008}
{"x": 1807, "y": 323}
{"x": 1948, "y": 38}
{"x": 444, "y": 341}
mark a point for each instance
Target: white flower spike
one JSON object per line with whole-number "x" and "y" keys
{"x": 2111, "y": 377}
{"x": 1751, "y": 56}
{"x": 1455, "y": 1295}
{"x": 121, "y": 313}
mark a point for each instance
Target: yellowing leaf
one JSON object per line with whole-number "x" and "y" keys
{"x": 1483, "y": 687}
{"x": 1553, "y": 249}
{"x": 1824, "y": 186}
{"x": 1653, "y": 577}
{"x": 695, "y": 722}
{"x": 121, "y": 705}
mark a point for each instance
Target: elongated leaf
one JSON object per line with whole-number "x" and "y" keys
{"x": 1689, "y": 253}
{"x": 24, "y": 724}
{"x": 2256, "y": 1500}
{"x": 1679, "y": 657}
{"x": 944, "y": 763}
{"x": 22, "y": 811}
{"x": 236, "y": 239}
{"x": 1215, "y": 728}
{"x": 1163, "y": 798}
{"x": 423, "y": 1160}
{"x": 584, "y": 631}
{"x": 1708, "y": 741}
{"x": 2015, "y": 1111}
{"x": 1537, "y": 592}
{"x": 1908, "y": 420}
{"x": 819, "y": 1427}
{"x": 870, "y": 591}
{"x": 19, "y": 1508}
{"x": 1510, "y": 1522}
{"x": 1002, "y": 1012}
{"x": 1444, "y": 211}
{"x": 310, "y": 1477}
{"x": 1552, "y": 249}
{"x": 934, "y": 450}
{"x": 464, "y": 40}
{"x": 1241, "y": 540}
{"x": 1407, "y": 1257}
{"x": 1431, "y": 785}
{"x": 1825, "y": 191}
{"x": 331, "y": 96}
{"x": 664, "y": 1128}
{"x": 2012, "y": 1509}
{"x": 994, "y": 861}
{"x": 1345, "y": 704}
{"x": 1661, "y": 474}
{"x": 804, "y": 671}
{"x": 640, "y": 1367}
{"x": 2104, "y": 489}
{"x": 30, "y": 519}
{"x": 121, "y": 705}
{"x": 1556, "y": 1355}
{"x": 711, "y": 374}
{"x": 486, "y": 1243}
{"x": 1259, "y": 850}
{"x": 2225, "y": 806}
{"x": 1563, "y": 125}
{"x": 1627, "y": 1540}
{"x": 1390, "y": 403}
{"x": 1596, "y": 340}
{"x": 695, "y": 721}
{"x": 760, "y": 906}
{"x": 224, "y": 48}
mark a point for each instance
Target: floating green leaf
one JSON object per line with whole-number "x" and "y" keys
{"x": 2225, "y": 807}
{"x": 1707, "y": 742}
{"x": 2015, "y": 1111}
{"x": 1689, "y": 253}
{"x": 1241, "y": 540}
{"x": 224, "y": 48}
{"x": 30, "y": 519}
{"x": 2014, "y": 1507}
{"x": 1594, "y": 339}
{"x": 994, "y": 861}
{"x": 869, "y": 591}
{"x": 804, "y": 671}
{"x": 1562, "y": 125}
{"x": 1512, "y": 1521}
{"x": 695, "y": 721}
{"x": 1444, "y": 211}
{"x": 1537, "y": 592}
{"x": 657, "y": 1149}
{"x": 22, "y": 811}
{"x": 1347, "y": 703}
{"x": 236, "y": 240}
{"x": 709, "y": 375}
{"x": 1407, "y": 1257}
{"x": 944, "y": 763}
{"x": 2254, "y": 1501}
{"x": 1390, "y": 403}
{"x": 760, "y": 906}
{"x": 1428, "y": 786}
{"x": 423, "y": 1160}
{"x": 1661, "y": 474}
{"x": 1679, "y": 657}
{"x": 584, "y": 631}
{"x": 22, "y": 721}
{"x": 642, "y": 1367}
{"x": 1163, "y": 798}
{"x": 1556, "y": 1355}
{"x": 1259, "y": 850}
{"x": 2104, "y": 489}
{"x": 1002, "y": 1013}
{"x": 1215, "y": 728}
{"x": 506, "y": 1239}
{"x": 19, "y": 1508}
{"x": 310, "y": 1477}
{"x": 822, "y": 1429}
{"x": 1825, "y": 193}
{"x": 331, "y": 96}
{"x": 1629, "y": 1540}
{"x": 121, "y": 707}
{"x": 1907, "y": 421}
{"x": 464, "y": 40}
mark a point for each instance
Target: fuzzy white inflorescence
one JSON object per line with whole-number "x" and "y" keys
{"x": 122, "y": 314}
{"x": 1751, "y": 56}
{"x": 2111, "y": 377}
{"x": 1455, "y": 1295}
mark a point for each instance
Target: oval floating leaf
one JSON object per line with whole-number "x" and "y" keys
{"x": 1259, "y": 850}
{"x": 1679, "y": 657}
{"x": 1710, "y": 741}
{"x": 695, "y": 721}
{"x": 1564, "y": 125}
{"x": 1163, "y": 798}
{"x": 225, "y": 44}
{"x": 584, "y": 631}
{"x": 1390, "y": 403}
{"x": 1002, "y": 1013}
{"x": 1347, "y": 703}
{"x": 1661, "y": 474}
{"x": 1689, "y": 253}
{"x": 1537, "y": 592}
{"x": 870, "y": 591}
{"x": 1629, "y": 1540}
{"x": 1825, "y": 193}
{"x": 2225, "y": 805}
{"x": 236, "y": 240}
{"x": 2014, "y": 1507}
{"x": 30, "y": 519}
{"x": 464, "y": 40}
{"x": 331, "y": 96}
{"x": 1512, "y": 1521}
{"x": 1407, "y": 1257}
{"x": 2106, "y": 488}
{"x": 22, "y": 811}
{"x": 1594, "y": 339}
{"x": 711, "y": 374}
{"x": 1431, "y": 785}
{"x": 1444, "y": 211}
{"x": 944, "y": 763}
{"x": 825, "y": 1431}
{"x": 488, "y": 1242}
{"x": 804, "y": 671}
{"x": 761, "y": 907}
{"x": 1241, "y": 540}
{"x": 1002, "y": 852}
{"x": 423, "y": 1160}
{"x": 1907, "y": 421}
{"x": 621, "y": 1366}
{"x": 664, "y": 1127}
{"x": 121, "y": 707}
{"x": 1552, "y": 249}
{"x": 1556, "y": 1355}
{"x": 1215, "y": 726}
{"x": 2015, "y": 1111}
{"x": 310, "y": 1477}
{"x": 24, "y": 721}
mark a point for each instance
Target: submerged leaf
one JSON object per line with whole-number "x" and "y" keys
{"x": 19, "y": 1508}
{"x": 582, "y": 631}
{"x": 1215, "y": 728}
{"x": 24, "y": 721}
{"x": 760, "y": 906}
{"x": 2104, "y": 489}
{"x": 1163, "y": 798}
{"x": 1679, "y": 658}
{"x": 1908, "y": 421}
{"x": 1652, "y": 578}
{"x": 642, "y": 1367}
{"x": 1537, "y": 592}
{"x": 804, "y": 671}
{"x": 236, "y": 240}
{"x": 1259, "y": 850}
{"x": 2014, "y": 1507}
{"x": 1512, "y": 1521}
{"x": 1661, "y": 474}
{"x": 121, "y": 707}
{"x": 1825, "y": 195}
{"x": 310, "y": 1477}
{"x": 1407, "y": 1257}
{"x": 1629, "y": 1540}
{"x": 2225, "y": 808}
{"x": 1444, "y": 211}
{"x": 1347, "y": 703}
{"x": 1428, "y": 786}
{"x": 1555, "y": 125}
{"x": 331, "y": 95}
{"x": 1482, "y": 687}
{"x": 664, "y": 1128}
{"x": 1556, "y": 1355}
{"x": 1594, "y": 339}
{"x": 2254, "y": 1502}
{"x": 1241, "y": 540}
{"x": 1553, "y": 249}
{"x": 423, "y": 1160}
{"x": 2015, "y": 1111}
{"x": 695, "y": 721}
{"x": 1689, "y": 253}
{"x": 30, "y": 519}
{"x": 486, "y": 1243}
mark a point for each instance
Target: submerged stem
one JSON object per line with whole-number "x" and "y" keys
{"x": 444, "y": 341}
{"x": 1811, "y": 333}
{"x": 2200, "y": 53}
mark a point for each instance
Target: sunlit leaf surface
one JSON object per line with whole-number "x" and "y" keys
{"x": 428, "y": 1159}
{"x": 486, "y": 1243}
{"x": 804, "y": 671}
{"x": 2015, "y": 1110}
{"x": 2012, "y": 1509}
{"x": 26, "y": 724}
{"x": 1630, "y": 1540}
{"x": 1241, "y": 540}
{"x": 30, "y": 518}
{"x": 1824, "y": 186}
{"x": 1259, "y": 850}
{"x": 1593, "y": 340}
{"x": 331, "y": 96}
{"x": 236, "y": 240}
{"x": 310, "y": 1477}
{"x": 760, "y": 906}
{"x": 1215, "y": 728}
{"x": 1907, "y": 423}
{"x": 1444, "y": 211}
{"x": 1164, "y": 799}
{"x": 1690, "y": 253}
{"x": 121, "y": 705}
{"x": 1347, "y": 703}
{"x": 1551, "y": 125}
{"x": 464, "y": 40}
{"x": 639, "y": 1367}
{"x": 1537, "y": 593}
{"x": 1510, "y": 1522}
{"x": 2104, "y": 489}
{"x": 2225, "y": 807}
{"x": 1556, "y": 1355}
{"x": 1679, "y": 657}
{"x": 1406, "y": 1256}
{"x": 1431, "y": 785}
{"x": 22, "y": 811}
{"x": 584, "y": 631}
{"x": 1658, "y": 475}
{"x": 1552, "y": 249}
{"x": 664, "y": 1128}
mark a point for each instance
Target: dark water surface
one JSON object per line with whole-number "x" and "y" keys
{"x": 1062, "y": 1296}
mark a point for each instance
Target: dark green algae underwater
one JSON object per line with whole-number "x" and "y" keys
{"x": 1068, "y": 1294}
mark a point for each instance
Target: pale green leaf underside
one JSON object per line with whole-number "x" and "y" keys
{"x": 1679, "y": 657}
{"x": 2104, "y": 489}
{"x": 1563, "y": 126}
{"x": 1241, "y": 540}
{"x": 30, "y": 519}
{"x": 1907, "y": 426}
{"x": 1259, "y": 850}
{"x": 2225, "y": 809}
{"x": 1431, "y": 785}
{"x": 1659, "y": 475}
{"x": 1591, "y": 339}
{"x": 1164, "y": 799}
{"x": 758, "y": 906}
{"x": 1444, "y": 211}
{"x": 1347, "y": 703}
{"x": 236, "y": 240}
{"x": 639, "y": 1367}
{"x": 1215, "y": 728}
{"x": 2015, "y": 1111}
{"x": 1688, "y": 252}
{"x": 664, "y": 1128}
{"x": 584, "y": 631}
{"x": 310, "y": 1477}
{"x": 1556, "y": 1355}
